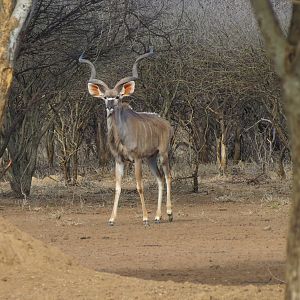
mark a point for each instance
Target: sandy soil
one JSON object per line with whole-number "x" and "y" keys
{"x": 227, "y": 242}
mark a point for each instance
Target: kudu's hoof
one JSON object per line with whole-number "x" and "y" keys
{"x": 170, "y": 217}
{"x": 146, "y": 223}
{"x": 111, "y": 223}
{"x": 157, "y": 220}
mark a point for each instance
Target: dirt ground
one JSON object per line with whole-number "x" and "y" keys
{"x": 226, "y": 242}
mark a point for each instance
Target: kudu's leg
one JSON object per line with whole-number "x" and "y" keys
{"x": 152, "y": 162}
{"x": 119, "y": 174}
{"x": 166, "y": 169}
{"x": 140, "y": 188}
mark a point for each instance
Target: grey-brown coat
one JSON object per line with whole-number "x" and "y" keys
{"x": 134, "y": 136}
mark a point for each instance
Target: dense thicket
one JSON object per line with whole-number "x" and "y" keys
{"x": 211, "y": 78}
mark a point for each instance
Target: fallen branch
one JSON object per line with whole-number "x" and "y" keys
{"x": 183, "y": 178}
{"x": 276, "y": 278}
{"x": 255, "y": 179}
{"x": 53, "y": 179}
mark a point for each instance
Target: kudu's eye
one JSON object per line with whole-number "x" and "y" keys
{"x": 104, "y": 97}
{"x": 118, "y": 97}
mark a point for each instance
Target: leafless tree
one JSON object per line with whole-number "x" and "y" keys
{"x": 211, "y": 79}
{"x": 54, "y": 38}
{"x": 70, "y": 123}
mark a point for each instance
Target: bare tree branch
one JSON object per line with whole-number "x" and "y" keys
{"x": 273, "y": 35}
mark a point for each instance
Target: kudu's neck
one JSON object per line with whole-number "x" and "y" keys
{"x": 113, "y": 127}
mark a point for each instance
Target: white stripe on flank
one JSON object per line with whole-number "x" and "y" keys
{"x": 148, "y": 113}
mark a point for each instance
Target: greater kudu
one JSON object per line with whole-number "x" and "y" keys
{"x": 134, "y": 136}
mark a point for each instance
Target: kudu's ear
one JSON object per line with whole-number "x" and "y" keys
{"x": 96, "y": 90}
{"x": 127, "y": 89}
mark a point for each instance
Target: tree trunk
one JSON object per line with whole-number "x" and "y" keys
{"x": 22, "y": 171}
{"x": 50, "y": 147}
{"x": 66, "y": 164}
{"x": 75, "y": 168}
{"x": 204, "y": 155}
{"x": 222, "y": 151}
{"x": 292, "y": 99}
{"x": 12, "y": 15}
{"x": 284, "y": 51}
{"x": 195, "y": 179}
{"x": 237, "y": 146}
{"x": 280, "y": 170}
{"x": 6, "y": 75}
{"x": 224, "y": 155}
{"x": 23, "y": 154}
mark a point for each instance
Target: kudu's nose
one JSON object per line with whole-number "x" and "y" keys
{"x": 110, "y": 106}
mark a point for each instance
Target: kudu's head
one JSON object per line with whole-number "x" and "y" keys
{"x": 124, "y": 87}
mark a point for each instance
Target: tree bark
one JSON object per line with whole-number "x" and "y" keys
{"x": 22, "y": 171}
{"x": 195, "y": 179}
{"x": 12, "y": 15}
{"x": 75, "y": 168}
{"x": 23, "y": 147}
{"x": 281, "y": 171}
{"x": 237, "y": 146}
{"x": 66, "y": 164}
{"x": 50, "y": 147}
{"x": 222, "y": 150}
{"x": 292, "y": 98}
